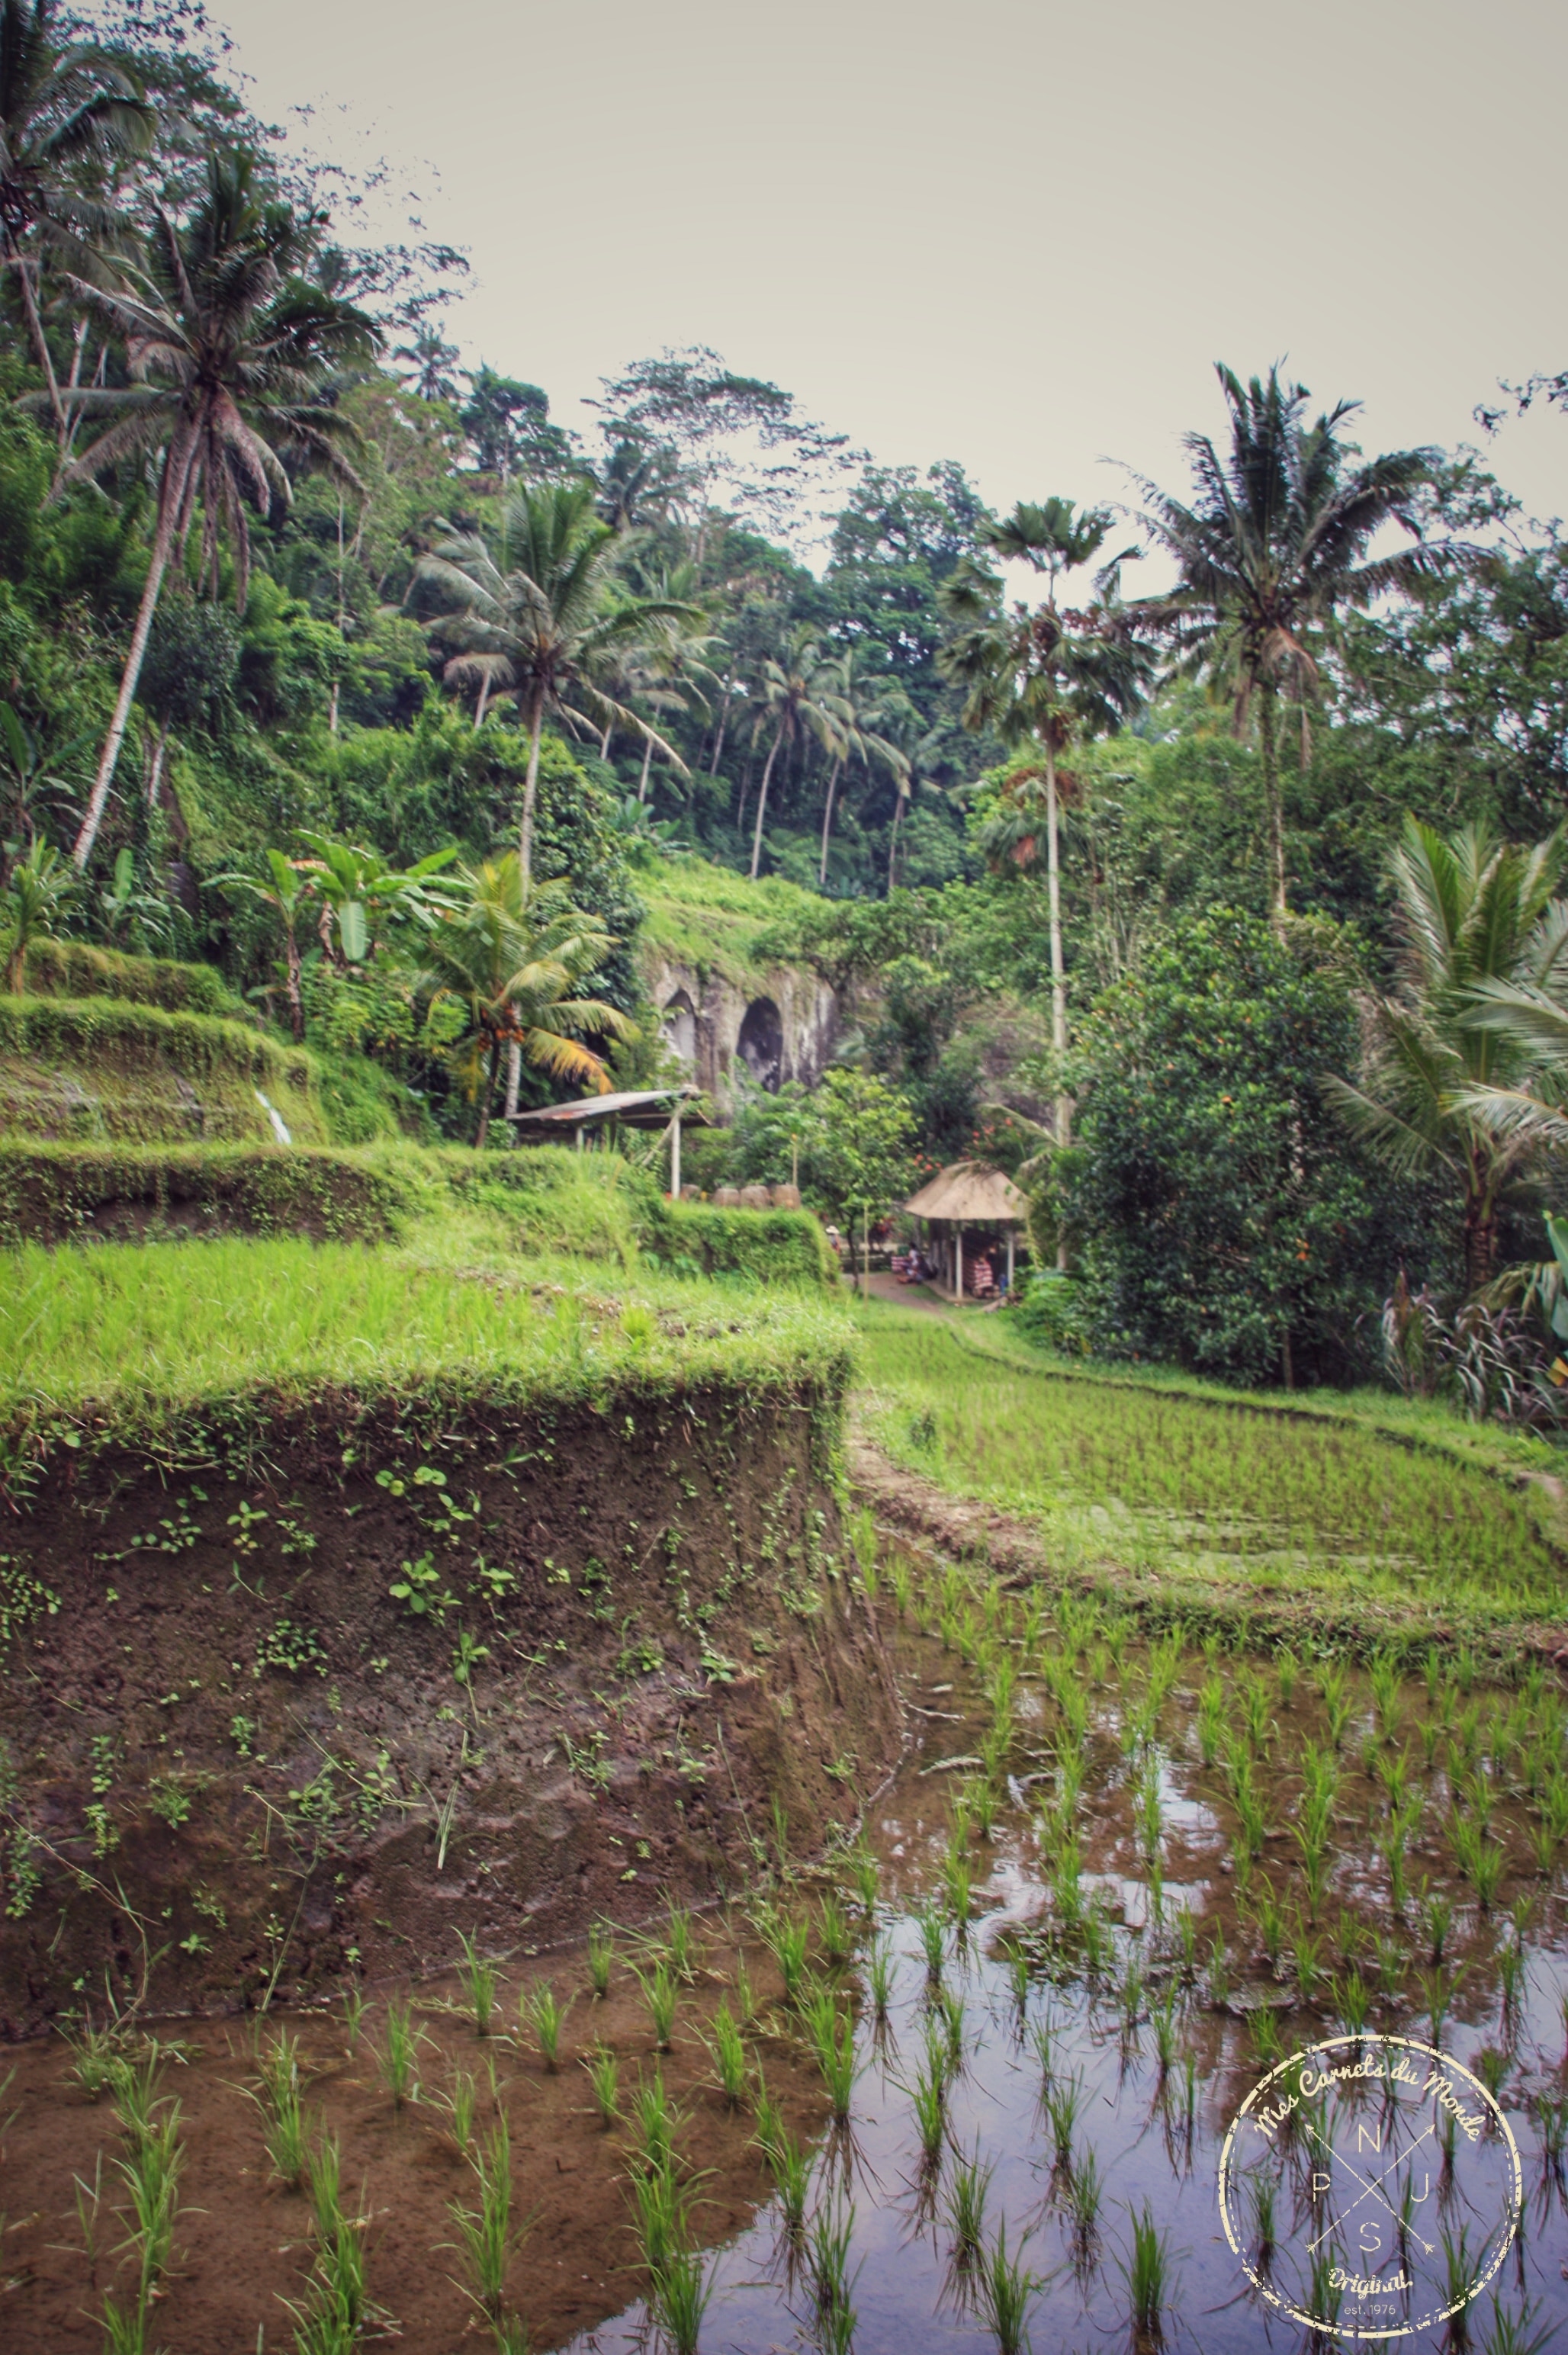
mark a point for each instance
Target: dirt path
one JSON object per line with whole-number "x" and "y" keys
{"x": 903, "y": 1296}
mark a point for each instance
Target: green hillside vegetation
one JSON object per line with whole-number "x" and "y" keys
{"x": 362, "y": 794}
{"x": 708, "y": 916}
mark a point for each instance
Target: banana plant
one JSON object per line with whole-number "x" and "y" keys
{"x": 36, "y": 896}
{"x": 359, "y": 892}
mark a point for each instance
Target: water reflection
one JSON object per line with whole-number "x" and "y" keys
{"x": 1044, "y": 2095}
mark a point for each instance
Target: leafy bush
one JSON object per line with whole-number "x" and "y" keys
{"x": 53, "y": 1193}
{"x": 73, "y": 969}
{"x": 1221, "y": 1215}
{"x": 764, "y": 1247}
{"x": 1048, "y": 1309}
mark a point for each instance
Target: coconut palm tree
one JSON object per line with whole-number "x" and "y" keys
{"x": 1449, "y": 1088}
{"x": 543, "y": 610}
{"x": 226, "y": 347}
{"x": 510, "y": 953}
{"x": 62, "y": 105}
{"x": 429, "y": 359}
{"x": 800, "y": 696}
{"x": 1044, "y": 676}
{"x": 865, "y": 711}
{"x": 1273, "y": 545}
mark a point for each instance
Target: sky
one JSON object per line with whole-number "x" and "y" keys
{"x": 1018, "y": 233}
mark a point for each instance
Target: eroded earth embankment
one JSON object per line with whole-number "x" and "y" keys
{"x": 314, "y": 1690}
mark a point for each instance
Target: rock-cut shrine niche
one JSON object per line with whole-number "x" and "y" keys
{"x": 678, "y": 1023}
{"x": 761, "y": 1043}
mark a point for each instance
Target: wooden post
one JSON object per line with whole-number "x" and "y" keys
{"x": 580, "y": 1136}
{"x": 1011, "y": 1231}
{"x": 958, "y": 1259}
{"x": 675, "y": 1156}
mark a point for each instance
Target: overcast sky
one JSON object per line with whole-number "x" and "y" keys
{"x": 1015, "y": 232}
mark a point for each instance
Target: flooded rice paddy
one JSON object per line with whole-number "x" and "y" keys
{"x": 967, "y": 2086}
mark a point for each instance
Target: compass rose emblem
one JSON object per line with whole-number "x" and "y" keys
{"x": 1370, "y": 2186}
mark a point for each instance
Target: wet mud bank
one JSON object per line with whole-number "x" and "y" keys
{"x": 311, "y": 1694}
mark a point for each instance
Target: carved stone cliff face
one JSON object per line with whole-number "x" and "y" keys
{"x": 782, "y": 1025}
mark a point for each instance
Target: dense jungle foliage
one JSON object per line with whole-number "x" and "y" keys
{"x": 1226, "y": 913}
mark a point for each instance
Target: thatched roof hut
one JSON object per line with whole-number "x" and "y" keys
{"x": 971, "y": 1194}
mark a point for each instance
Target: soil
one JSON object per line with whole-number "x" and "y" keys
{"x": 243, "y": 1770}
{"x": 243, "y": 2242}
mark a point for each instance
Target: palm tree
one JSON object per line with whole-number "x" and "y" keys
{"x": 430, "y": 358}
{"x": 509, "y": 952}
{"x": 1273, "y": 545}
{"x": 864, "y": 713}
{"x": 60, "y": 107}
{"x": 225, "y": 346}
{"x": 1481, "y": 928}
{"x": 800, "y": 696}
{"x": 1045, "y": 675}
{"x": 543, "y": 611}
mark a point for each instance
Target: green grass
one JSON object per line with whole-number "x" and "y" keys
{"x": 59, "y": 1193}
{"x": 705, "y": 915}
{"x": 104, "y": 1068}
{"x": 75, "y": 969}
{"x": 1345, "y": 1511}
{"x": 144, "y": 1329}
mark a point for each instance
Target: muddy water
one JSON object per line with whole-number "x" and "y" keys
{"x": 1051, "y": 1997}
{"x": 1152, "y": 2133}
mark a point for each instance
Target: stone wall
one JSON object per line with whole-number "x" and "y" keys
{"x": 783, "y": 1025}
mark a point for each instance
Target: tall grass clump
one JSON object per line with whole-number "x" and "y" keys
{"x": 479, "y": 1980}
{"x": 280, "y": 2103}
{"x": 398, "y": 2058}
{"x": 1004, "y": 2290}
{"x": 487, "y": 2236}
{"x": 546, "y": 2016}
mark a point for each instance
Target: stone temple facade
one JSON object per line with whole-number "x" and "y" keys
{"x": 781, "y": 1026}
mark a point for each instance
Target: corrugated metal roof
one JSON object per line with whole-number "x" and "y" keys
{"x": 627, "y": 1106}
{"x": 972, "y": 1194}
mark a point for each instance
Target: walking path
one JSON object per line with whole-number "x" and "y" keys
{"x": 906, "y": 1295}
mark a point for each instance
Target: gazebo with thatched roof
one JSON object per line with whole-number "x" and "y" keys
{"x": 971, "y": 1194}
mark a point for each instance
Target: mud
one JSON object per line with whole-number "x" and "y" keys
{"x": 241, "y": 1769}
{"x": 243, "y": 2243}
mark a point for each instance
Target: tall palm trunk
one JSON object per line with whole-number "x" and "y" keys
{"x": 647, "y": 760}
{"x": 487, "y": 1099}
{"x": 832, "y": 776}
{"x": 482, "y": 703}
{"x": 1268, "y": 734}
{"x": 530, "y": 788}
{"x": 1053, "y": 908}
{"x": 893, "y": 841}
{"x": 1480, "y": 1235}
{"x": 37, "y": 338}
{"x": 179, "y": 459}
{"x": 293, "y": 967}
{"x": 724, "y": 721}
{"x": 763, "y": 800}
{"x": 1061, "y": 1108}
